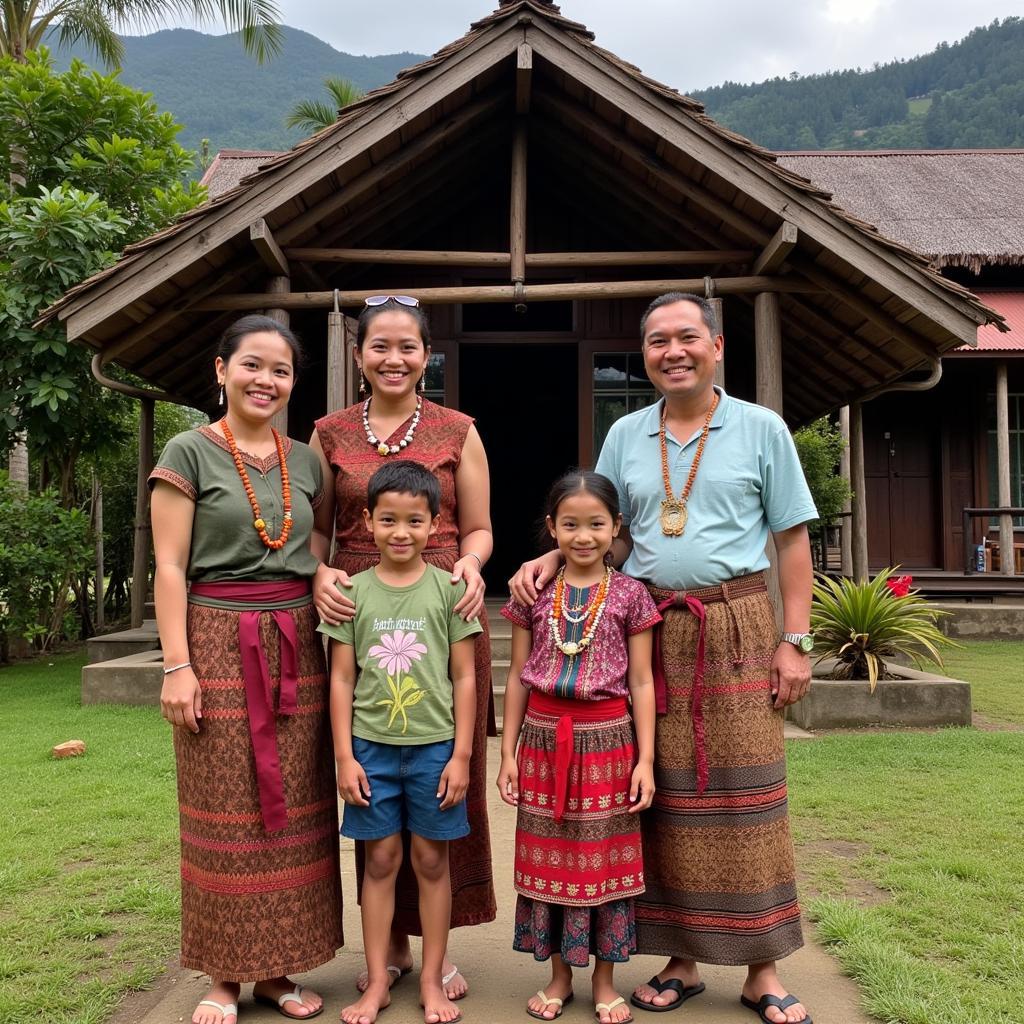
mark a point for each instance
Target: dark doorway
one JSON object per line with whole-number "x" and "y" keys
{"x": 524, "y": 398}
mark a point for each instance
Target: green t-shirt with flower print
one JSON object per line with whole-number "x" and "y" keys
{"x": 402, "y": 638}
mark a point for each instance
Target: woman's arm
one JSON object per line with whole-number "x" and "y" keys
{"x": 331, "y": 604}
{"x": 476, "y": 541}
{"x": 514, "y": 712}
{"x": 641, "y": 692}
{"x": 172, "y": 514}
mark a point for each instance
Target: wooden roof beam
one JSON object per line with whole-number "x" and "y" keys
{"x": 774, "y": 254}
{"x": 508, "y": 293}
{"x": 269, "y": 251}
{"x": 524, "y": 77}
{"x": 448, "y": 257}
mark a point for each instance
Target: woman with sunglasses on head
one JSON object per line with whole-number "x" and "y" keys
{"x": 245, "y": 685}
{"x": 394, "y": 420}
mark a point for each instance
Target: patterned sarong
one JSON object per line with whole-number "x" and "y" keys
{"x": 720, "y": 874}
{"x": 576, "y": 843}
{"x": 255, "y": 903}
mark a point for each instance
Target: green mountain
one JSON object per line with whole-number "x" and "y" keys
{"x": 219, "y": 93}
{"x": 968, "y": 94}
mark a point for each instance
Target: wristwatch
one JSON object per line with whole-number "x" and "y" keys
{"x": 803, "y": 642}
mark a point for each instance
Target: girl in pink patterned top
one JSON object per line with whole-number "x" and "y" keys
{"x": 580, "y": 656}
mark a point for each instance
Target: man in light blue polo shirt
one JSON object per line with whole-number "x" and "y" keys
{"x": 703, "y": 479}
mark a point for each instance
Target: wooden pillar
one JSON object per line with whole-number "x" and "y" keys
{"x": 768, "y": 346}
{"x": 336, "y": 365}
{"x": 716, "y": 304}
{"x": 1006, "y": 553}
{"x": 858, "y": 504}
{"x": 97, "y": 528}
{"x": 768, "y": 349}
{"x": 277, "y": 286}
{"x": 517, "y": 204}
{"x": 143, "y": 532}
{"x": 846, "y": 528}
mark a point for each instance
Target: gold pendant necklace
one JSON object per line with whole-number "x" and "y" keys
{"x": 673, "y": 510}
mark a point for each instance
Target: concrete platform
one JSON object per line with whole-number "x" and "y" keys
{"x": 109, "y": 646}
{"x": 1002, "y": 621}
{"x": 133, "y": 679}
{"x": 500, "y": 980}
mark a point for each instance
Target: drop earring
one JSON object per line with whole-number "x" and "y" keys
{"x": 220, "y": 400}
{"x": 362, "y": 382}
{"x": 423, "y": 383}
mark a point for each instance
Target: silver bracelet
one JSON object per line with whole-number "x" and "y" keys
{"x": 479, "y": 560}
{"x": 174, "y": 668}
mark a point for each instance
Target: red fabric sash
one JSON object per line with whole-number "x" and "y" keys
{"x": 568, "y": 712}
{"x": 259, "y": 696}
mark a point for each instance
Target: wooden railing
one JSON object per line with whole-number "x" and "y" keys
{"x": 969, "y": 546}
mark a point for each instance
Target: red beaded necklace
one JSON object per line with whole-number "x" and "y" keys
{"x": 259, "y": 524}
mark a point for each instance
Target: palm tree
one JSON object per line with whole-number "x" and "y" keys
{"x": 25, "y": 23}
{"x": 314, "y": 115}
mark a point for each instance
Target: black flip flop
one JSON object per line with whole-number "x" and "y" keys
{"x": 769, "y": 1000}
{"x": 672, "y": 985}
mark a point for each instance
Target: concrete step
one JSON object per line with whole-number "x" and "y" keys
{"x": 133, "y": 679}
{"x": 110, "y": 646}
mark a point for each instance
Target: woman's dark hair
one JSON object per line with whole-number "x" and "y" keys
{"x": 369, "y": 313}
{"x": 254, "y": 324}
{"x": 403, "y": 476}
{"x": 577, "y": 481}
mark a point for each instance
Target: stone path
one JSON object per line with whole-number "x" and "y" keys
{"x": 501, "y": 980}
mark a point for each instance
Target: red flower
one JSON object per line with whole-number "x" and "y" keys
{"x": 899, "y": 586}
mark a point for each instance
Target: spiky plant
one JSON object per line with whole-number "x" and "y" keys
{"x": 862, "y": 624}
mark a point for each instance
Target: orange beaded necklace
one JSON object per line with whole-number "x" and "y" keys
{"x": 673, "y": 510}
{"x": 259, "y": 524}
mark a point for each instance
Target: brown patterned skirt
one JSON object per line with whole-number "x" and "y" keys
{"x": 469, "y": 859}
{"x": 721, "y": 883}
{"x": 256, "y": 905}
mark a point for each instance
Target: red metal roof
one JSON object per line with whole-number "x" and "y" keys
{"x": 990, "y": 338}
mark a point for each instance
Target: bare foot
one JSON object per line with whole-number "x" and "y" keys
{"x": 399, "y": 956}
{"x": 437, "y": 1007}
{"x": 455, "y": 985}
{"x": 302, "y": 1002}
{"x": 365, "y": 1010}
{"x": 225, "y": 995}
{"x": 762, "y": 980}
{"x": 684, "y": 971}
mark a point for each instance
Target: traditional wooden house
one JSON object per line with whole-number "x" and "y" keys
{"x": 929, "y": 456}
{"x": 536, "y": 191}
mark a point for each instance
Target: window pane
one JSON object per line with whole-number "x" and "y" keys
{"x": 435, "y": 378}
{"x": 641, "y": 399}
{"x": 610, "y": 371}
{"x": 607, "y": 409}
{"x": 637, "y": 373}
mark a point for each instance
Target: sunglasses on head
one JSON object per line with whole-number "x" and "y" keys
{"x": 379, "y": 300}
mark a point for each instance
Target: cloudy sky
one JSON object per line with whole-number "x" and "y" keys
{"x": 689, "y": 44}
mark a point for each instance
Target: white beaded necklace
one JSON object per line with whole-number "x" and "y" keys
{"x": 383, "y": 448}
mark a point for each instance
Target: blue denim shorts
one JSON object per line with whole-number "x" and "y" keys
{"x": 403, "y": 793}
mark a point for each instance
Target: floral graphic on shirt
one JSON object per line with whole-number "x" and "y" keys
{"x": 395, "y": 654}
{"x": 397, "y": 651}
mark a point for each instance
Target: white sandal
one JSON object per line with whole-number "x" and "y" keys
{"x": 295, "y": 996}
{"x": 446, "y": 978}
{"x": 608, "y": 1007}
{"x": 226, "y": 1009}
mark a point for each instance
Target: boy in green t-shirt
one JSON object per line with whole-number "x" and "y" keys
{"x": 403, "y": 702}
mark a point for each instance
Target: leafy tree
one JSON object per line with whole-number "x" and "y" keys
{"x": 25, "y": 23}
{"x": 820, "y": 446}
{"x": 37, "y": 565}
{"x": 314, "y": 115}
{"x": 102, "y": 170}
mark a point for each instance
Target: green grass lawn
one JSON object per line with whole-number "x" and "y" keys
{"x": 914, "y": 845}
{"x": 88, "y": 849}
{"x": 995, "y": 670}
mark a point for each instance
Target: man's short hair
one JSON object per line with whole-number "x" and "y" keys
{"x": 403, "y": 476}
{"x": 706, "y": 307}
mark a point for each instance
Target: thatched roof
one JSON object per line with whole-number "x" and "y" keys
{"x": 230, "y": 166}
{"x": 618, "y": 146}
{"x": 961, "y": 208}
